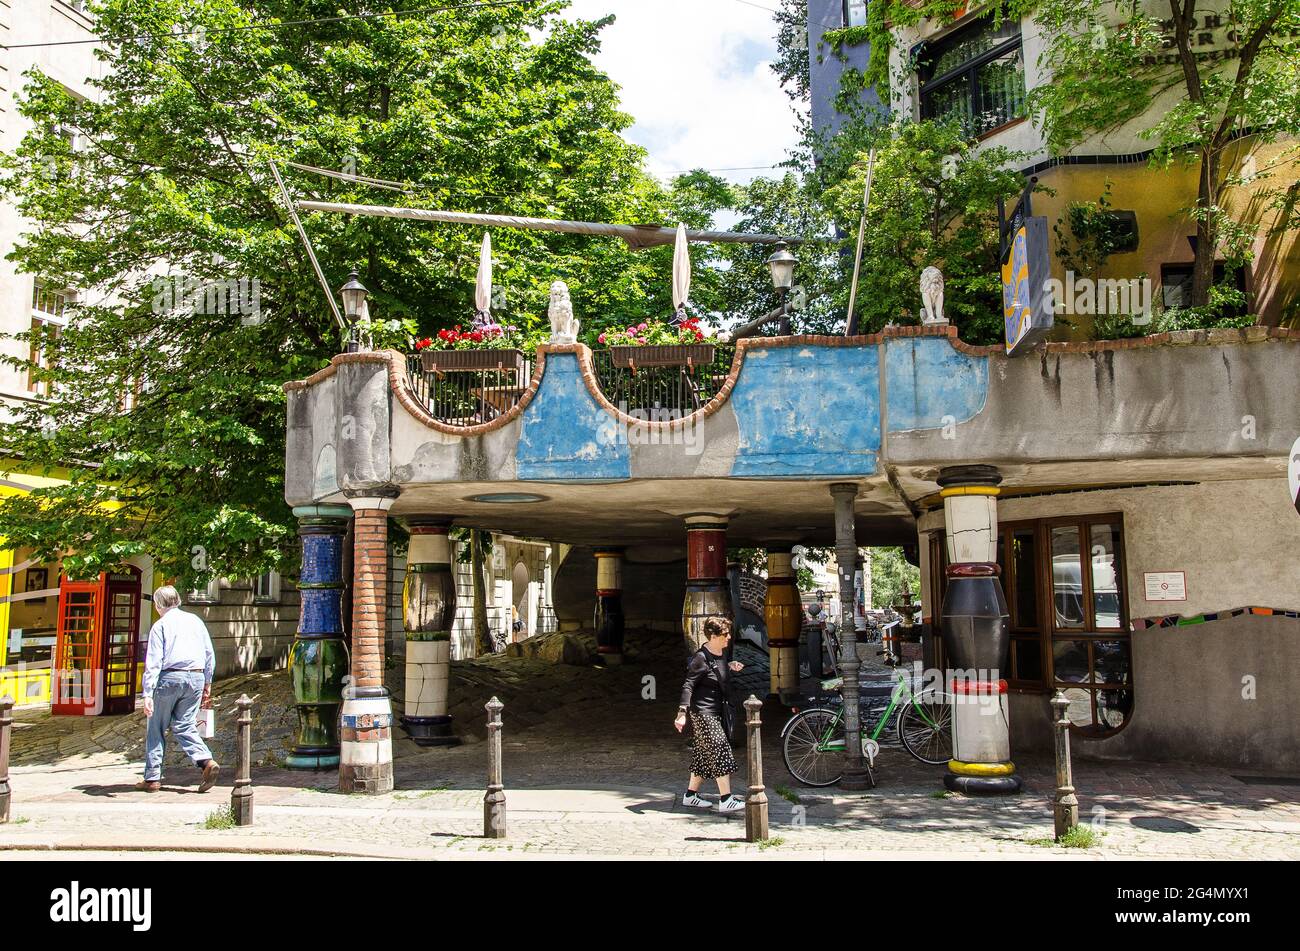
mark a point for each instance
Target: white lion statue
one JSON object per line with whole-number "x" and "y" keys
{"x": 932, "y": 296}
{"x": 564, "y": 326}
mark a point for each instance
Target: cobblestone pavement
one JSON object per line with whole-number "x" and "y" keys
{"x": 594, "y": 768}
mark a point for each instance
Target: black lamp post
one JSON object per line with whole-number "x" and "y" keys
{"x": 781, "y": 264}
{"x": 355, "y": 309}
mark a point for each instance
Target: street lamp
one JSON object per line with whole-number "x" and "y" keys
{"x": 355, "y": 309}
{"x": 781, "y": 264}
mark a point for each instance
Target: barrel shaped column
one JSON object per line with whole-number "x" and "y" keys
{"x": 609, "y": 605}
{"x": 318, "y": 658}
{"x": 366, "y": 728}
{"x": 976, "y": 634}
{"x": 708, "y": 589}
{"x": 428, "y": 613}
{"x": 783, "y": 616}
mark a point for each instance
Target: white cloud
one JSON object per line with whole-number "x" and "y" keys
{"x": 695, "y": 76}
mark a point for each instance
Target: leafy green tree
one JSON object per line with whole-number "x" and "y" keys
{"x": 889, "y": 571}
{"x": 173, "y": 415}
{"x": 933, "y": 202}
{"x": 1113, "y": 63}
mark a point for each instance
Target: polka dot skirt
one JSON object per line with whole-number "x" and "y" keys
{"x": 710, "y": 749}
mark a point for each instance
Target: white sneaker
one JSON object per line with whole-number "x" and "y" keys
{"x": 696, "y": 801}
{"x": 731, "y": 804}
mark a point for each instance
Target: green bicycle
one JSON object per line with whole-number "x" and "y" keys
{"x": 812, "y": 743}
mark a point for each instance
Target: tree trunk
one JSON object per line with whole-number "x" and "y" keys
{"x": 1206, "y": 229}
{"x": 482, "y": 636}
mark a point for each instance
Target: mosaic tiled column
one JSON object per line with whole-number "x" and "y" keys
{"x": 976, "y": 633}
{"x": 783, "y": 616}
{"x": 428, "y": 612}
{"x": 708, "y": 590}
{"x": 366, "y": 757}
{"x": 318, "y": 659}
{"x": 609, "y": 605}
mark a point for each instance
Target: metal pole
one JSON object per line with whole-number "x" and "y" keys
{"x": 311, "y": 254}
{"x": 1066, "y": 810}
{"x": 785, "y": 313}
{"x": 241, "y": 797}
{"x": 856, "y": 775}
{"x": 756, "y": 801}
{"x": 494, "y": 800}
{"x": 851, "y": 325}
{"x": 6, "y": 728}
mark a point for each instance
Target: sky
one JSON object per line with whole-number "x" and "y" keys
{"x": 695, "y": 76}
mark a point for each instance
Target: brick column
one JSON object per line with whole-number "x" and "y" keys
{"x": 366, "y": 763}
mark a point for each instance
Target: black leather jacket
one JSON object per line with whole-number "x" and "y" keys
{"x": 705, "y": 690}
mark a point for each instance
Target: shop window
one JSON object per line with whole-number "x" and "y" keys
{"x": 33, "y": 597}
{"x": 976, "y": 76}
{"x": 1064, "y": 584}
{"x": 855, "y": 12}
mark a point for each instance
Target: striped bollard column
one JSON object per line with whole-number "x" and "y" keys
{"x": 428, "y": 611}
{"x": 708, "y": 589}
{"x": 976, "y": 634}
{"x": 319, "y": 658}
{"x": 783, "y": 615}
{"x": 366, "y": 730}
{"x": 609, "y": 605}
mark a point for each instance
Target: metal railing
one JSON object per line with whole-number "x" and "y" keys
{"x": 468, "y": 397}
{"x": 665, "y": 392}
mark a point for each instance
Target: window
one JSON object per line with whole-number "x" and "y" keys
{"x": 48, "y": 315}
{"x": 266, "y": 588}
{"x": 1064, "y": 584}
{"x": 209, "y": 595}
{"x": 976, "y": 75}
{"x": 1176, "y": 285}
{"x": 855, "y": 12}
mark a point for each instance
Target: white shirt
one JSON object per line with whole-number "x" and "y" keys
{"x": 178, "y": 641}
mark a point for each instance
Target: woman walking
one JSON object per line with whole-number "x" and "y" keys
{"x": 704, "y": 700}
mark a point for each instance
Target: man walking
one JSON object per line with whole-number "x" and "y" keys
{"x": 177, "y": 679}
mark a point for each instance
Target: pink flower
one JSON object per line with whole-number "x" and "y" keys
{"x": 601, "y": 338}
{"x": 641, "y": 326}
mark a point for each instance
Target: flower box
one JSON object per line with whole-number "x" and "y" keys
{"x": 670, "y": 355}
{"x": 440, "y": 361}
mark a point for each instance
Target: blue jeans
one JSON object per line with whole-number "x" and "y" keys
{"x": 175, "y": 704}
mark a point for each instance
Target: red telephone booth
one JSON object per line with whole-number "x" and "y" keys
{"x": 97, "y": 653}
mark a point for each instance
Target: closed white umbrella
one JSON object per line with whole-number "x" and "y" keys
{"x": 483, "y": 284}
{"x": 681, "y": 272}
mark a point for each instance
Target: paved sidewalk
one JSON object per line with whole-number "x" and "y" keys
{"x": 594, "y": 769}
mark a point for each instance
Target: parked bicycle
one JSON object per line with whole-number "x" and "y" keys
{"x": 813, "y": 742}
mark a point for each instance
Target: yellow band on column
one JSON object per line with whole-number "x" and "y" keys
{"x": 969, "y": 490}
{"x": 981, "y": 769}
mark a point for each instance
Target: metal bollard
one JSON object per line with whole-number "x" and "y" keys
{"x": 756, "y": 801}
{"x": 6, "y": 730}
{"x": 241, "y": 797}
{"x": 1066, "y": 808}
{"x": 494, "y": 800}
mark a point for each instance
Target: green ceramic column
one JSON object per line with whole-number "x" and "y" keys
{"x": 319, "y": 660}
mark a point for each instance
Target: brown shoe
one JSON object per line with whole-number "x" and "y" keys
{"x": 209, "y": 775}
{"x": 149, "y": 785}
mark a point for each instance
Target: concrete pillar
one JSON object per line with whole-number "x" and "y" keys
{"x": 783, "y": 615}
{"x": 856, "y": 774}
{"x": 976, "y": 633}
{"x": 318, "y": 659}
{"x": 366, "y": 757}
{"x": 708, "y": 590}
{"x": 428, "y": 613}
{"x": 609, "y": 605}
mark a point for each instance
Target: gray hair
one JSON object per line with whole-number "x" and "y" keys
{"x": 166, "y": 598}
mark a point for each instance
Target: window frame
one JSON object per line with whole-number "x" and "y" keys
{"x": 210, "y": 595}
{"x": 273, "y": 588}
{"x": 844, "y": 9}
{"x": 968, "y": 71}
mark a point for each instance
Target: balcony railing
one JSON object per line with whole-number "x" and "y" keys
{"x": 662, "y": 392}
{"x": 460, "y": 397}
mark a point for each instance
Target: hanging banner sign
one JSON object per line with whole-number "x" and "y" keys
{"x": 1028, "y": 309}
{"x": 1293, "y": 475}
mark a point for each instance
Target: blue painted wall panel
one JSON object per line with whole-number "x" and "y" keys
{"x": 565, "y": 434}
{"x": 807, "y": 411}
{"x": 926, "y": 380}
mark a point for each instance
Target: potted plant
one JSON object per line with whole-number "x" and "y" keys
{"x": 656, "y": 343}
{"x": 488, "y": 347}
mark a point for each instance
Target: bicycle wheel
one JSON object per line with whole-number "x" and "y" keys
{"x": 925, "y": 729}
{"x": 805, "y": 749}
